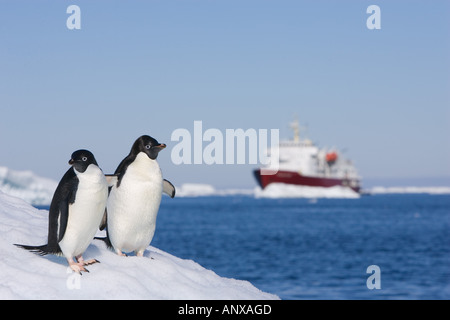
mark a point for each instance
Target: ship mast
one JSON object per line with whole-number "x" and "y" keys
{"x": 296, "y": 128}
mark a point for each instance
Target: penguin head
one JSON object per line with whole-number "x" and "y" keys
{"x": 148, "y": 145}
{"x": 81, "y": 159}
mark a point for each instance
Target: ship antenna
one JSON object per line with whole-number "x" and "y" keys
{"x": 296, "y": 128}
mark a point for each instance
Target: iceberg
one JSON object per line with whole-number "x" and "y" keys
{"x": 157, "y": 275}
{"x": 26, "y": 185}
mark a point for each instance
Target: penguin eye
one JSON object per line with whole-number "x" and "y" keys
{"x": 84, "y": 158}
{"x": 148, "y": 146}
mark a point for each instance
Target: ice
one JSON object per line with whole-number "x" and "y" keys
{"x": 281, "y": 190}
{"x": 27, "y": 186}
{"x": 157, "y": 275}
{"x": 274, "y": 190}
{"x": 195, "y": 190}
{"x": 204, "y": 190}
{"x": 429, "y": 190}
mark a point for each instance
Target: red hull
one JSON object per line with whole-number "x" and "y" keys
{"x": 290, "y": 177}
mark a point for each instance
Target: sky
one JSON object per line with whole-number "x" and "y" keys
{"x": 151, "y": 67}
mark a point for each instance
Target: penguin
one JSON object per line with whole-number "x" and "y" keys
{"x": 76, "y": 211}
{"x": 134, "y": 198}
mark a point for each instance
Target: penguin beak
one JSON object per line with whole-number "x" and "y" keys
{"x": 159, "y": 147}
{"x": 153, "y": 152}
{"x": 71, "y": 162}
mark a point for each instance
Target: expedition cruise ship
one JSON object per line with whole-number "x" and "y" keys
{"x": 303, "y": 163}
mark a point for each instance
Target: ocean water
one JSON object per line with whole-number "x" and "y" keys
{"x": 317, "y": 248}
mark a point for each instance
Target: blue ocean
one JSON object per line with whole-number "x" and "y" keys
{"x": 317, "y": 248}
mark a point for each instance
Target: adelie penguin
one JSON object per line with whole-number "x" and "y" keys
{"x": 135, "y": 197}
{"x": 76, "y": 211}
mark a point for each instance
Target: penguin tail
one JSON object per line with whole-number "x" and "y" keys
{"x": 106, "y": 241}
{"x": 40, "y": 250}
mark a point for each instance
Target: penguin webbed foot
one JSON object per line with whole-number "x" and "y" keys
{"x": 87, "y": 262}
{"x": 78, "y": 266}
{"x": 90, "y": 261}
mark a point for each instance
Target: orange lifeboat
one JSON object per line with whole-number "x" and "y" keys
{"x": 331, "y": 157}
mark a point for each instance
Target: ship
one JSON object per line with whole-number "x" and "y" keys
{"x": 303, "y": 163}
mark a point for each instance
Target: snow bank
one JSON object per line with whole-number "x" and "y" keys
{"x": 158, "y": 275}
{"x": 26, "y": 185}
{"x": 281, "y": 190}
{"x": 429, "y": 190}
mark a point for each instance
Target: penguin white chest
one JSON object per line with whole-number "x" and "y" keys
{"x": 133, "y": 206}
{"x": 86, "y": 213}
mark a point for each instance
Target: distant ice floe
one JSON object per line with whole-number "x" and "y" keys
{"x": 429, "y": 190}
{"x": 27, "y": 186}
{"x": 194, "y": 190}
{"x": 281, "y": 190}
{"x": 274, "y": 190}
{"x": 203, "y": 190}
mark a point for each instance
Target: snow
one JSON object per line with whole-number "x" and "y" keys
{"x": 28, "y": 186}
{"x": 157, "y": 275}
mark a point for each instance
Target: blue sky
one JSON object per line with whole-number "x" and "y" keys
{"x": 150, "y": 67}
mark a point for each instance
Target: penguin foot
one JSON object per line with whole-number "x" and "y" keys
{"x": 77, "y": 267}
{"x": 90, "y": 261}
{"x": 120, "y": 253}
{"x": 81, "y": 261}
{"x": 140, "y": 253}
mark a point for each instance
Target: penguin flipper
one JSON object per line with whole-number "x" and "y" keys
{"x": 59, "y": 209}
{"x": 111, "y": 179}
{"x": 168, "y": 188}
